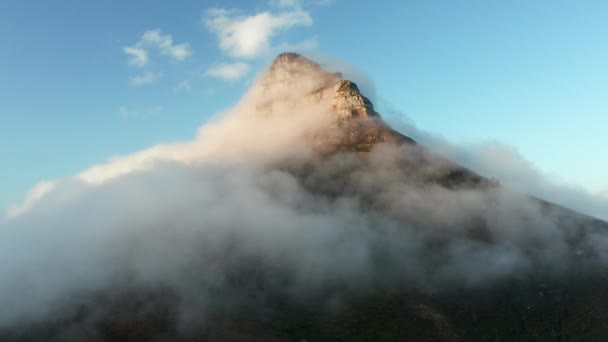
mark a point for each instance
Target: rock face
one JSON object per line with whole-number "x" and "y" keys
{"x": 355, "y": 125}
{"x": 294, "y": 81}
{"x": 356, "y": 118}
{"x": 291, "y": 68}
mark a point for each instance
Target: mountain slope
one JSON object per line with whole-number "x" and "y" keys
{"x": 356, "y": 233}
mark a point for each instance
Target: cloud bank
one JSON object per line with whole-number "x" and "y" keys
{"x": 249, "y": 211}
{"x": 505, "y": 164}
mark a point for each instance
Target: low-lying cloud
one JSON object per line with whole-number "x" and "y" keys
{"x": 505, "y": 164}
{"x": 250, "y": 208}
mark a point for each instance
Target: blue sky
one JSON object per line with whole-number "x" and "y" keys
{"x": 76, "y": 90}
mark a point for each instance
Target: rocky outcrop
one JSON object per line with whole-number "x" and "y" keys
{"x": 291, "y": 68}
{"x": 355, "y": 125}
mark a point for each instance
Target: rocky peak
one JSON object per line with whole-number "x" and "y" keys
{"x": 289, "y": 69}
{"x": 291, "y": 59}
{"x": 347, "y": 101}
{"x": 297, "y": 80}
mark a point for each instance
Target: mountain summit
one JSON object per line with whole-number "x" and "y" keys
{"x": 355, "y": 125}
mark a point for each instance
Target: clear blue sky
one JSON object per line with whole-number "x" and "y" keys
{"x": 532, "y": 74}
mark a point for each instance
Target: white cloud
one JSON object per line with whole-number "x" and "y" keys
{"x": 138, "y": 56}
{"x": 155, "y": 39}
{"x": 504, "y": 163}
{"x": 35, "y": 194}
{"x": 164, "y": 43}
{"x": 146, "y": 78}
{"x": 250, "y": 35}
{"x": 235, "y": 133}
{"x": 228, "y": 71}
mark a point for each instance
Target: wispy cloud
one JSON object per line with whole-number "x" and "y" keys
{"x": 164, "y": 43}
{"x": 138, "y": 57}
{"x": 249, "y": 36}
{"x": 228, "y": 71}
{"x": 156, "y": 40}
{"x": 145, "y": 78}
{"x": 31, "y": 198}
{"x": 506, "y": 164}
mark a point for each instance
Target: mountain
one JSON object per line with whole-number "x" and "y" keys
{"x": 353, "y": 125}
{"x": 353, "y": 232}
